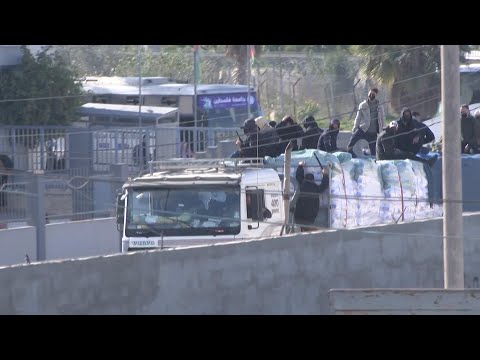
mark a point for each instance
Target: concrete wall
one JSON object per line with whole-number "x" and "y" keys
{"x": 63, "y": 240}
{"x": 14, "y": 244}
{"x": 82, "y": 238}
{"x": 405, "y": 301}
{"x": 288, "y": 275}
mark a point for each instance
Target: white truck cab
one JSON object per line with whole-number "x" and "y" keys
{"x": 200, "y": 202}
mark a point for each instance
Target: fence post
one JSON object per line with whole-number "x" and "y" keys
{"x": 14, "y": 146}
{"x": 119, "y": 176}
{"x": 115, "y": 142}
{"x": 39, "y": 213}
{"x": 42, "y": 149}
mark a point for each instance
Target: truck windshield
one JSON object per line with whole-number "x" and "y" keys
{"x": 198, "y": 210}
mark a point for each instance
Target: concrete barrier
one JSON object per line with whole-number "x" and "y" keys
{"x": 63, "y": 240}
{"x": 405, "y": 301}
{"x": 15, "y": 243}
{"x": 82, "y": 238}
{"x": 282, "y": 275}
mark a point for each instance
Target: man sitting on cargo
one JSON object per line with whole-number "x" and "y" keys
{"x": 312, "y": 133}
{"x": 288, "y": 130}
{"x": 411, "y": 133}
{"x": 307, "y": 206}
{"x": 328, "y": 140}
{"x": 268, "y": 140}
{"x": 247, "y": 147}
{"x": 387, "y": 150}
{"x": 387, "y": 147}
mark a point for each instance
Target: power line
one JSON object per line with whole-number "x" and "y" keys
{"x": 399, "y": 51}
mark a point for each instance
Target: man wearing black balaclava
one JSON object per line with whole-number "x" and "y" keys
{"x": 412, "y": 134}
{"x": 469, "y": 141}
{"x": 405, "y": 131}
{"x": 249, "y": 145}
{"x": 328, "y": 140}
{"x": 369, "y": 121}
{"x": 312, "y": 133}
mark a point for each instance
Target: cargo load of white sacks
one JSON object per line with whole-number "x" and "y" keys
{"x": 366, "y": 192}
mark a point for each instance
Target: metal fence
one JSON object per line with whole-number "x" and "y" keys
{"x": 16, "y": 197}
{"x": 129, "y": 146}
{"x": 50, "y": 149}
{"x": 35, "y": 148}
{"x": 76, "y": 165}
{"x": 67, "y": 195}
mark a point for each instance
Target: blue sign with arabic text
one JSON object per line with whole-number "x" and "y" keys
{"x": 225, "y": 101}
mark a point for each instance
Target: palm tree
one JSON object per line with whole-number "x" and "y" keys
{"x": 238, "y": 53}
{"x": 412, "y": 71}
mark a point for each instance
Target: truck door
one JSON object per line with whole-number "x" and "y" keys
{"x": 255, "y": 204}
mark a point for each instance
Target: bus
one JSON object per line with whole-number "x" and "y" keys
{"x": 470, "y": 83}
{"x": 217, "y": 105}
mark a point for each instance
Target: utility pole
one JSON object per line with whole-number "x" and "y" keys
{"x": 281, "y": 86}
{"x": 196, "y": 148}
{"x": 452, "y": 170}
{"x": 295, "y": 98}
{"x": 249, "y": 72}
{"x": 142, "y": 160}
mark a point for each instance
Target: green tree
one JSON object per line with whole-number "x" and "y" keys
{"x": 45, "y": 90}
{"x": 308, "y": 108}
{"x": 238, "y": 53}
{"x": 96, "y": 60}
{"x": 171, "y": 62}
{"x": 412, "y": 71}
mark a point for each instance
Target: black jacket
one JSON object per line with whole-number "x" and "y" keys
{"x": 268, "y": 143}
{"x": 328, "y": 141}
{"x": 288, "y": 133}
{"x": 467, "y": 128}
{"x": 426, "y": 135}
{"x": 311, "y": 136}
{"x": 307, "y": 206}
{"x": 385, "y": 146}
{"x": 261, "y": 144}
{"x": 248, "y": 149}
{"x": 408, "y": 130}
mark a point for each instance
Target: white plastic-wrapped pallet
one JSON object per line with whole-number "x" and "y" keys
{"x": 308, "y": 156}
{"x": 437, "y": 210}
{"x": 422, "y": 209}
{"x": 390, "y": 206}
{"x": 408, "y": 188}
{"x": 343, "y": 192}
{"x": 369, "y": 191}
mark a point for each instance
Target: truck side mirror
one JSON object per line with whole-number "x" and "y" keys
{"x": 120, "y": 208}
